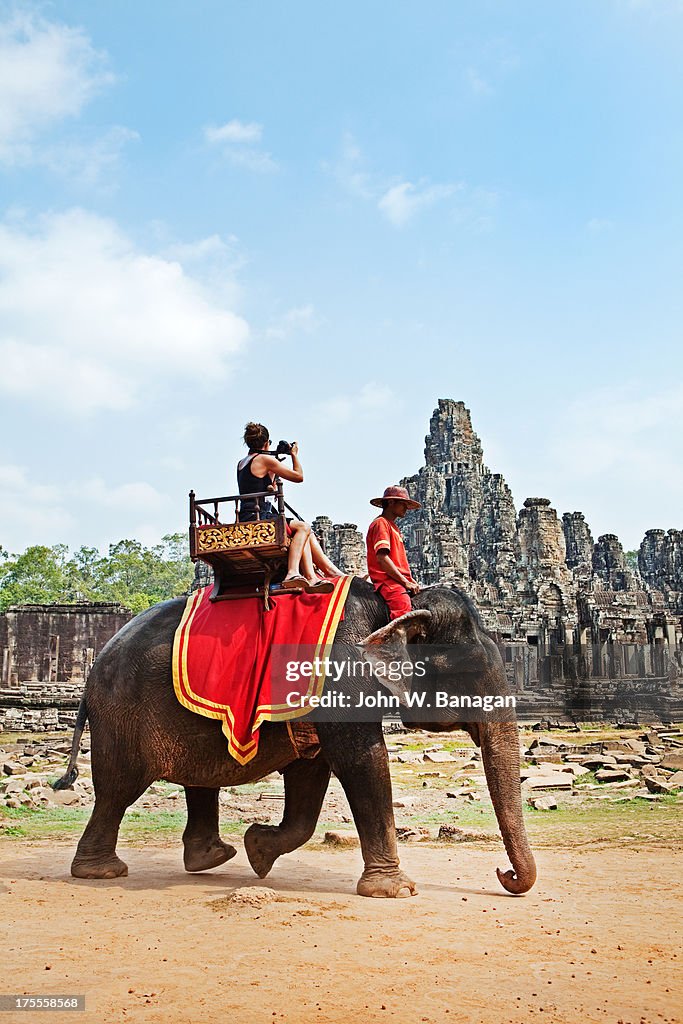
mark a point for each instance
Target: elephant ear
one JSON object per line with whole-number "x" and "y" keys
{"x": 390, "y": 644}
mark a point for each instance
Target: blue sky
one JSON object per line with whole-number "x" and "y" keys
{"x": 325, "y": 218}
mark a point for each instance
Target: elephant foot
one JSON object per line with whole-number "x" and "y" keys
{"x": 262, "y": 847}
{"x": 202, "y": 855}
{"x": 88, "y": 867}
{"x": 386, "y": 884}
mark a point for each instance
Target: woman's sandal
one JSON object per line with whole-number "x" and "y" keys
{"x": 321, "y": 587}
{"x": 295, "y": 583}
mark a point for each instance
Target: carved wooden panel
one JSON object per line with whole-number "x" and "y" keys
{"x": 235, "y": 535}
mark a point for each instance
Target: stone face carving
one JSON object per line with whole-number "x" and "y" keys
{"x": 343, "y": 543}
{"x": 578, "y": 540}
{"x": 660, "y": 560}
{"x": 609, "y": 564}
{"x": 534, "y": 578}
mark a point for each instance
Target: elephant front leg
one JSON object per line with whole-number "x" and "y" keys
{"x": 203, "y": 846}
{"x": 358, "y": 757}
{"x": 306, "y": 783}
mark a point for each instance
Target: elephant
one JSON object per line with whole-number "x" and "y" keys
{"x": 140, "y": 733}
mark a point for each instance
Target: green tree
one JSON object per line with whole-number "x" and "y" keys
{"x": 131, "y": 574}
{"x": 37, "y": 576}
{"x": 84, "y": 574}
{"x": 138, "y": 577}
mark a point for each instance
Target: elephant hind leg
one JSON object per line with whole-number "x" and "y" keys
{"x": 95, "y": 855}
{"x": 306, "y": 782}
{"x": 203, "y": 847}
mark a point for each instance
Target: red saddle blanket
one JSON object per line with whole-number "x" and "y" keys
{"x": 223, "y": 658}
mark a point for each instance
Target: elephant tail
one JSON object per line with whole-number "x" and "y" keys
{"x": 71, "y": 773}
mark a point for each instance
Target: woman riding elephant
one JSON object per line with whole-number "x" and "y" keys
{"x": 256, "y": 472}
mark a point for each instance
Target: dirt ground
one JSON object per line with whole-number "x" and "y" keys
{"x": 595, "y": 940}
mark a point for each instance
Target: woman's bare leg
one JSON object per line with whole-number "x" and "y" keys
{"x": 299, "y": 541}
{"x": 321, "y": 560}
{"x": 307, "y": 568}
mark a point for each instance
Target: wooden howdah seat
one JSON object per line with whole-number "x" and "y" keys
{"x": 247, "y": 559}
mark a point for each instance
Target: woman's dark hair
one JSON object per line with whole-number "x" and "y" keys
{"x": 256, "y": 436}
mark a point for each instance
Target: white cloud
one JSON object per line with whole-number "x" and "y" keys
{"x": 29, "y": 512}
{"x": 238, "y": 142}
{"x": 371, "y": 402}
{"x": 401, "y": 203}
{"x": 613, "y": 453}
{"x": 87, "y": 161}
{"x": 299, "y": 320}
{"x": 46, "y": 517}
{"x": 350, "y": 172}
{"x": 48, "y": 72}
{"x": 235, "y": 131}
{"x": 89, "y": 320}
{"x": 599, "y": 225}
{"x": 139, "y": 494}
{"x": 477, "y": 83}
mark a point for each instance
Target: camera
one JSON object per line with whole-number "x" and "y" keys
{"x": 284, "y": 447}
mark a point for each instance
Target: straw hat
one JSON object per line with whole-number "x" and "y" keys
{"x": 395, "y": 493}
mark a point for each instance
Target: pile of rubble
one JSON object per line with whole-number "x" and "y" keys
{"x": 648, "y": 767}
{"x": 26, "y": 773}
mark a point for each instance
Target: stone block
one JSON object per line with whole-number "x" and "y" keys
{"x": 543, "y": 803}
{"x": 577, "y": 770}
{"x": 65, "y": 798}
{"x": 556, "y": 781}
{"x": 14, "y": 785}
{"x": 613, "y": 775}
{"x": 658, "y": 786}
{"x": 597, "y": 761}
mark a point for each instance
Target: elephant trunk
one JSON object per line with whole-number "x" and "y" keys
{"x": 500, "y": 755}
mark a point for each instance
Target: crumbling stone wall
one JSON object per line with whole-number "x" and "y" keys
{"x": 55, "y": 643}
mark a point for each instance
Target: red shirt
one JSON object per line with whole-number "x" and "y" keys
{"x": 386, "y": 536}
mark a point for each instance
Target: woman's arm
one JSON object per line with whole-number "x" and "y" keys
{"x": 271, "y": 465}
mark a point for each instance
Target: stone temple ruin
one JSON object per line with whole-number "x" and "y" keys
{"x": 583, "y": 631}
{"x": 569, "y": 611}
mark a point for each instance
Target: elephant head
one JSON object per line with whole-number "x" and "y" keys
{"x": 448, "y": 620}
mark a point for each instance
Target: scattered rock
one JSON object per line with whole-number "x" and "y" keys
{"x": 577, "y": 770}
{"x": 547, "y": 741}
{"x": 657, "y": 786}
{"x": 613, "y": 775}
{"x": 674, "y": 762}
{"x": 676, "y": 780}
{"x": 558, "y": 780}
{"x": 412, "y": 835}
{"x": 439, "y": 756}
{"x": 543, "y": 803}
{"x": 65, "y": 797}
{"x": 597, "y": 761}
{"x": 453, "y": 834}
{"x": 342, "y": 840}
{"x": 12, "y": 768}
